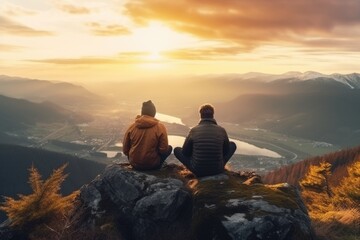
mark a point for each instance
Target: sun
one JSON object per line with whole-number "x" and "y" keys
{"x": 154, "y": 56}
{"x": 156, "y": 38}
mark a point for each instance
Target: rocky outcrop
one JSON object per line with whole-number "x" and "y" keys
{"x": 172, "y": 204}
{"x": 141, "y": 205}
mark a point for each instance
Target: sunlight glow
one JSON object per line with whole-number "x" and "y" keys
{"x": 154, "y": 56}
{"x": 156, "y": 38}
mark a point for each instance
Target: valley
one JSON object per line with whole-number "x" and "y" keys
{"x": 100, "y": 140}
{"x": 276, "y": 120}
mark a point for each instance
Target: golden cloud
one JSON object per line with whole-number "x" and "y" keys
{"x": 108, "y": 30}
{"x": 81, "y": 61}
{"x": 121, "y": 58}
{"x": 210, "y": 53}
{"x": 15, "y": 10}
{"x": 9, "y": 48}
{"x": 7, "y": 26}
{"x": 72, "y": 9}
{"x": 251, "y": 23}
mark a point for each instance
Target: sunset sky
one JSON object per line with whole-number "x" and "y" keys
{"x": 138, "y": 39}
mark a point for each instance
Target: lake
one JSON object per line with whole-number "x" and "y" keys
{"x": 111, "y": 154}
{"x": 242, "y": 147}
{"x": 168, "y": 118}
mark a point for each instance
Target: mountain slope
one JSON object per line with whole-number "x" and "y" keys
{"x": 317, "y": 109}
{"x": 19, "y": 113}
{"x": 293, "y": 173}
{"x": 41, "y": 90}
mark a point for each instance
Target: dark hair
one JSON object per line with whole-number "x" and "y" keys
{"x": 206, "y": 111}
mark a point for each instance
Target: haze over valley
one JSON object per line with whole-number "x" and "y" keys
{"x": 277, "y": 119}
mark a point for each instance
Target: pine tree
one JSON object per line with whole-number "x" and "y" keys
{"x": 42, "y": 205}
{"x": 347, "y": 194}
{"x": 317, "y": 178}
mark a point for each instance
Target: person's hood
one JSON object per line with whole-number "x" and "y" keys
{"x": 145, "y": 121}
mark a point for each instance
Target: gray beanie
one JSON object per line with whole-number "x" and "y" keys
{"x": 148, "y": 108}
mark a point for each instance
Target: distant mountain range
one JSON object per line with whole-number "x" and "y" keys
{"x": 324, "y": 108}
{"x": 19, "y": 114}
{"x": 63, "y": 93}
{"x": 351, "y": 80}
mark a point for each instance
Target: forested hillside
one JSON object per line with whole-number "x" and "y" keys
{"x": 15, "y": 162}
{"x": 330, "y": 187}
{"x": 294, "y": 173}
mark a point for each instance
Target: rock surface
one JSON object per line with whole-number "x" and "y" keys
{"x": 171, "y": 204}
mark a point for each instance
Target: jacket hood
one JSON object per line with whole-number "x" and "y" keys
{"x": 145, "y": 121}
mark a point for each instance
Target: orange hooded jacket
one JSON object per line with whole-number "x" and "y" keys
{"x": 144, "y": 140}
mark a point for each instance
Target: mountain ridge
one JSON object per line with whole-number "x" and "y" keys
{"x": 20, "y": 113}
{"x": 36, "y": 90}
{"x": 351, "y": 80}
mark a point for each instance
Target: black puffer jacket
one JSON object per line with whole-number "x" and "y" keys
{"x": 206, "y": 144}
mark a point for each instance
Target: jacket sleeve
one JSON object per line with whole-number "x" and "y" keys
{"x": 188, "y": 145}
{"x": 163, "y": 139}
{"x": 226, "y": 144}
{"x": 127, "y": 142}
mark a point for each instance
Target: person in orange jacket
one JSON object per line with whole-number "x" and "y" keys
{"x": 146, "y": 141}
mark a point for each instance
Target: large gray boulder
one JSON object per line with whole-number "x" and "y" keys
{"x": 141, "y": 205}
{"x": 228, "y": 209}
{"x": 171, "y": 204}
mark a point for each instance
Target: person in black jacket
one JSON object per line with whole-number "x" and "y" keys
{"x": 207, "y": 148}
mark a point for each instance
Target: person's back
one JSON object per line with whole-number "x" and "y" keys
{"x": 208, "y": 140}
{"x": 207, "y": 148}
{"x": 145, "y": 142}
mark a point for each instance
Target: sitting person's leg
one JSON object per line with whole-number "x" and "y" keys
{"x": 182, "y": 158}
{"x": 165, "y": 155}
{"x": 230, "y": 153}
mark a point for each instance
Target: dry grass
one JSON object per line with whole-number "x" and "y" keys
{"x": 337, "y": 224}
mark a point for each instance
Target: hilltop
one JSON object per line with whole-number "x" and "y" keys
{"x": 171, "y": 204}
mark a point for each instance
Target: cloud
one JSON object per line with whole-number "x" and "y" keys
{"x": 327, "y": 44}
{"x": 72, "y": 9}
{"x": 9, "y": 48}
{"x": 74, "y": 61}
{"x": 121, "y": 58}
{"x": 108, "y": 30}
{"x": 210, "y": 53}
{"x": 7, "y": 26}
{"x": 251, "y": 23}
{"x": 15, "y": 10}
